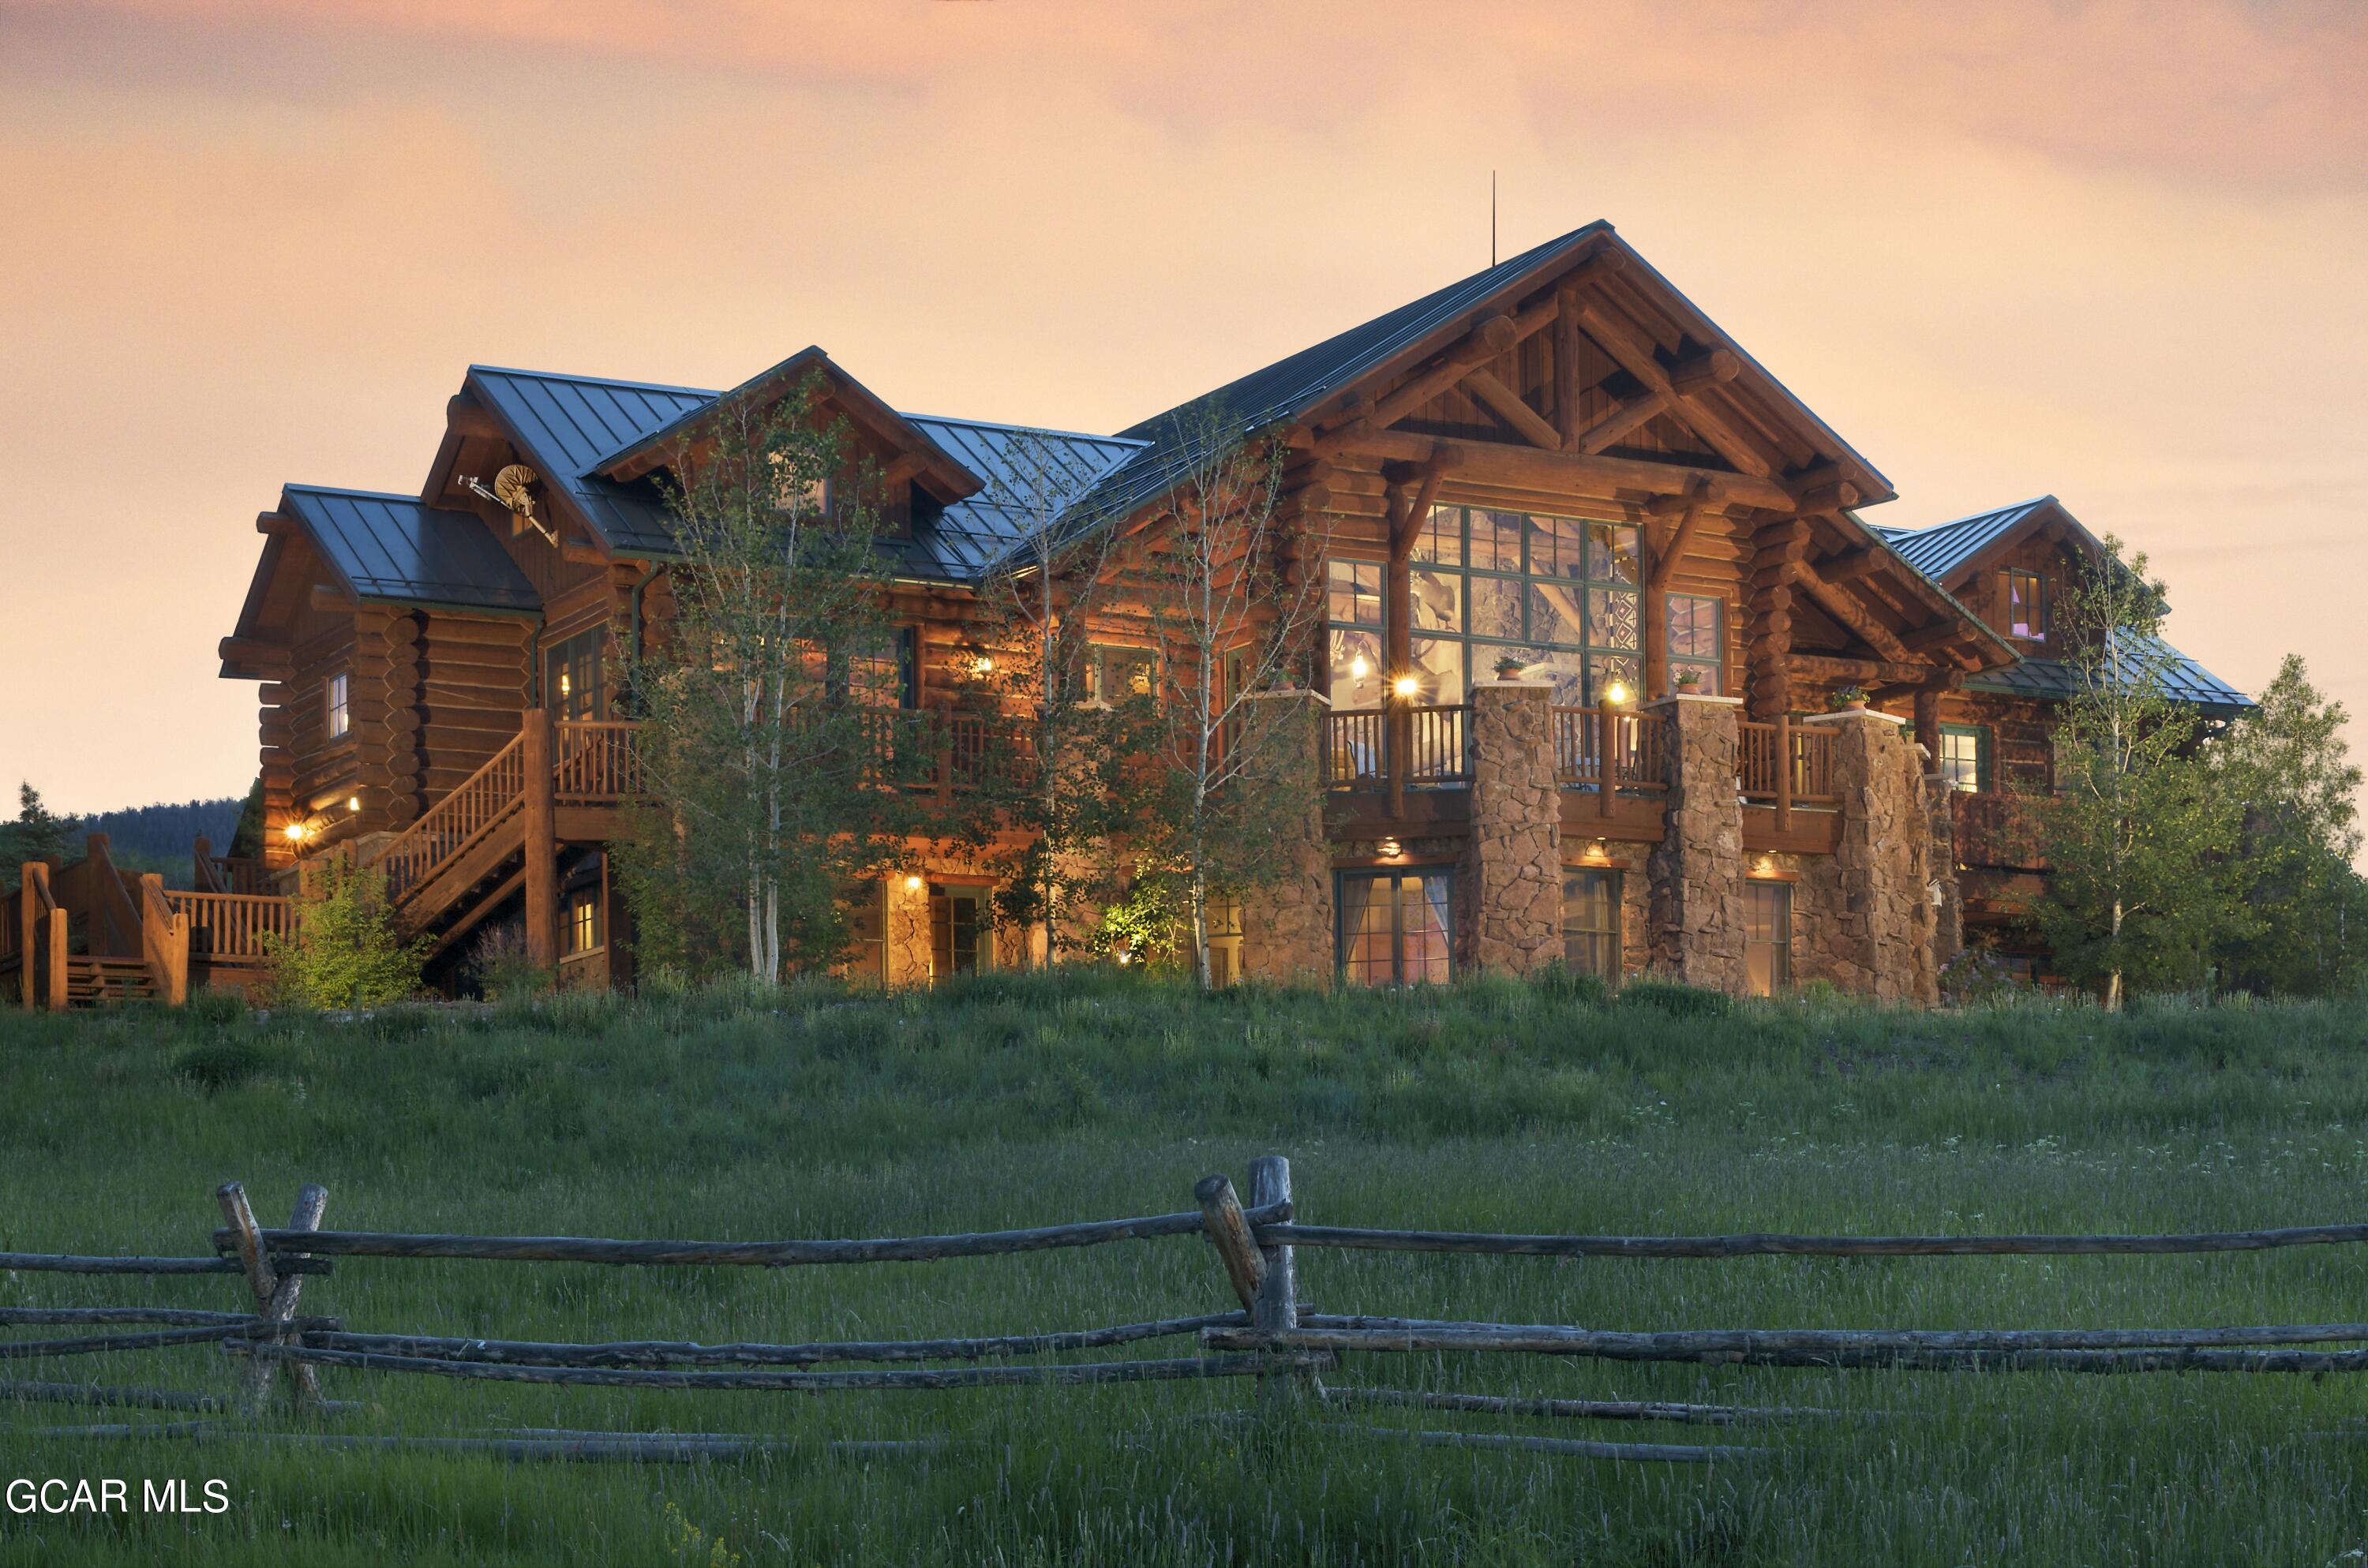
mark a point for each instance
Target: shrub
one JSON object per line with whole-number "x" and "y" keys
{"x": 500, "y": 968}
{"x": 1677, "y": 1001}
{"x": 1562, "y": 982}
{"x": 222, "y": 1063}
{"x": 1976, "y": 978}
{"x": 344, "y": 952}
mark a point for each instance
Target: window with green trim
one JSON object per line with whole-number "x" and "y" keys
{"x": 1590, "y": 921}
{"x": 1696, "y": 641}
{"x": 1558, "y": 593}
{"x": 1964, "y": 759}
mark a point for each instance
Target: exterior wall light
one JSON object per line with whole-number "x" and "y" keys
{"x": 353, "y": 803}
{"x": 1407, "y": 686}
{"x": 1616, "y": 693}
{"x": 293, "y": 832}
{"x": 911, "y": 884}
{"x": 1390, "y": 848}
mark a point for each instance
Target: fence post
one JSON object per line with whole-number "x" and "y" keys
{"x": 1276, "y": 1309}
{"x": 247, "y": 1237}
{"x": 1220, "y": 1215}
{"x": 61, "y": 982}
{"x": 311, "y": 1200}
{"x": 32, "y": 878}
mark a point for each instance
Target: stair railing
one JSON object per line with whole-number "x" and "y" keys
{"x": 454, "y": 824}
{"x": 43, "y": 939}
{"x": 163, "y": 942}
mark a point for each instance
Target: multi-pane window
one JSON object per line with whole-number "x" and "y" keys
{"x": 883, "y": 674}
{"x": 867, "y": 933}
{"x": 1353, "y": 597}
{"x": 1964, "y": 759}
{"x": 584, "y": 923}
{"x": 1768, "y": 937}
{"x": 957, "y": 931}
{"x": 1114, "y": 674}
{"x": 570, "y": 675}
{"x": 1558, "y": 593}
{"x": 1396, "y": 928}
{"x": 1224, "y": 918}
{"x": 1694, "y": 641}
{"x": 2026, "y": 606}
{"x": 337, "y": 697}
{"x": 1591, "y": 922}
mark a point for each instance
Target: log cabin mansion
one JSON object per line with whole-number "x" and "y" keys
{"x": 1593, "y": 579}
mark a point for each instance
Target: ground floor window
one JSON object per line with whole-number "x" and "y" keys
{"x": 1591, "y": 922}
{"x": 958, "y": 931}
{"x": 1964, "y": 759}
{"x": 584, "y": 922}
{"x": 1768, "y": 937}
{"x": 1396, "y": 928}
{"x": 1224, "y": 918}
{"x": 866, "y": 922}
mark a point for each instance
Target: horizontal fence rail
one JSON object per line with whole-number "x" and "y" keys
{"x": 1757, "y": 1245}
{"x": 762, "y": 1255}
{"x": 1270, "y": 1337}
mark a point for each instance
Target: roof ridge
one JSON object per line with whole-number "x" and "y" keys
{"x": 597, "y": 381}
{"x": 1024, "y": 430}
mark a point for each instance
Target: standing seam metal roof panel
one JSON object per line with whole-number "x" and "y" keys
{"x": 393, "y": 548}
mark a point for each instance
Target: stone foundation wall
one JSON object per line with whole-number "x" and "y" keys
{"x": 1696, "y": 916}
{"x": 1876, "y": 936}
{"x": 1512, "y": 861}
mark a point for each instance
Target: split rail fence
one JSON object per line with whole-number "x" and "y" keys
{"x": 1270, "y": 1337}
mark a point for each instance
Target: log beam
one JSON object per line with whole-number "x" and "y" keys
{"x": 1838, "y": 603}
{"x": 1527, "y": 468}
{"x": 1636, "y": 359}
{"x": 1507, "y": 405}
{"x": 1489, "y": 337}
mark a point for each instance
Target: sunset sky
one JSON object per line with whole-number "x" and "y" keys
{"x": 2114, "y": 252}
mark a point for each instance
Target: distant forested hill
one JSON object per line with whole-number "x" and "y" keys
{"x": 164, "y": 833}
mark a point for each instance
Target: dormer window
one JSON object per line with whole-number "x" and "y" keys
{"x": 337, "y": 702}
{"x": 799, "y": 495}
{"x": 2026, "y": 606}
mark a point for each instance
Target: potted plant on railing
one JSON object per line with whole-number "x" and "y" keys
{"x": 1508, "y": 667}
{"x": 1689, "y": 683}
{"x": 1850, "y": 699}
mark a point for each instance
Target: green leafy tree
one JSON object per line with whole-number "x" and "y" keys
{"x": 2139, "y": 839}
{"x": 342, "y": 951}
{"x": 36, "y": 834}
{"x": 1222, "y": 807}
{"x": 2286, "y": 764}
{"x": 767, "y": 725}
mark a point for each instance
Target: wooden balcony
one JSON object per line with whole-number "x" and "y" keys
{"x": 1638, "y": 752}
{"x": 1805, "y": 777}
{"x": 1361, "y": 746}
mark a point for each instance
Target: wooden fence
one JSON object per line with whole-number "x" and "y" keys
{"x": 1268, "y": 1335}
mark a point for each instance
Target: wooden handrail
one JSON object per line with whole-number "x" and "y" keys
{"x": 457, "y": 821}
{"x": 596, "y": 761}
{"x": 1639, "y": 749}
{"x": 163, "y": 941}
{"x": 230, "y": 927}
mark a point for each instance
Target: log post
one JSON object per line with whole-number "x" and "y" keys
{"x": 58, "y": 984}
{"x": 1220, "y": 1216}
{"x": 1276, "y": 1308}
{"x": 1607, "y": 747}
{"x": 30, "y": 875}
{"x": 1783, "y": 770}
{"x": 246, "y": 1236}
{"x": 281, "y": 1307}
{"x": 542, "y": 826}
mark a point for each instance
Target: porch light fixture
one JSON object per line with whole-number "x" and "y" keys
{"x": 293, "y": 832}
{"x": 354, "y": 803}
{"x": 911, "y": 883}
{"x": 1407, "y": 686}
{"x": 1616, "y": 693}
{"x": 1390, "y": 848}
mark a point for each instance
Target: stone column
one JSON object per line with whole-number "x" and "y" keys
{"x": 1287, "y": 924}
{"x": 1512, "y": 862}
{"x": 1940, "y": 831}
{"x": 1697, "y": 872}
{"x": 1883, "y": 859}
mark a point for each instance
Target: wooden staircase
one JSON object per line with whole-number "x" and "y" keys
{"x": 104, "y": 981}
{"x": 85, "y": 935}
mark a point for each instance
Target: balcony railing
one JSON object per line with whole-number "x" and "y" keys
{"x": 1810, "y": 764}
{"x": 1639, "y": 749}
{"x": 1360, "y": 744}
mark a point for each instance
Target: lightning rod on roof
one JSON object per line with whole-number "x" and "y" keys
{"x": 1492, "y": 216}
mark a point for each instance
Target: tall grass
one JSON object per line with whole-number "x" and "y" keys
{"x": 1017, "y": 1101}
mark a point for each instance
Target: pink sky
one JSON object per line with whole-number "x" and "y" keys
{"x": 2110, "y": 250}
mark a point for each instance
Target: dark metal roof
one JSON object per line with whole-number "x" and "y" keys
{"x": 568, "y": 424}
{"x": 1944, "y": 549}
{"x": 392, "y": 549}
{"x": 1026, "y": 472}
{"x": 1938, "y": 551}
{"x": 2184, "y": 680}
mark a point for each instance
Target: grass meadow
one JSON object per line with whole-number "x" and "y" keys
{"x": 1018, "y": 1101}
